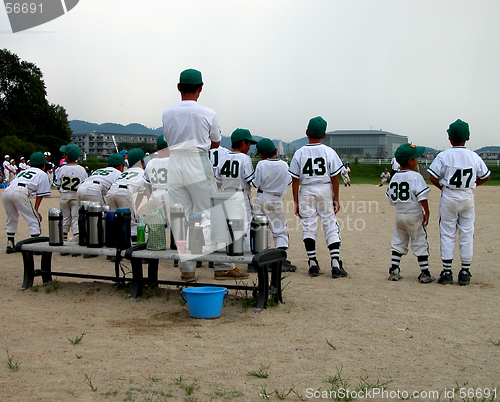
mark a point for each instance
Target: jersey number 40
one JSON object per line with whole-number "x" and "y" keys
{"x": 230, "y": 169}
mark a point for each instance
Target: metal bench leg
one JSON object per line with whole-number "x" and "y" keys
{"x": 262, "y": 286}
{"x": 46, "y": 267}
{"x": 29, "y": 269}
{"x": 137, "y": 278}
{"x": 153, "y": 272}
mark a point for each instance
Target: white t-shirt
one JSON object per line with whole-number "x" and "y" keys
{"x": 345, "y": 171}
{"x": 406, "y": 189}
{"x": 216, "y": 154}
{"x": 272, "y": 176}
{"x": 189, "y": 126}
{"x": 235, "y": 171}
{"x": 69, "y": 177}
{"x": 315, "y": 164}
{"x": 457, "y": 169}
{"x": 394, "y": 164}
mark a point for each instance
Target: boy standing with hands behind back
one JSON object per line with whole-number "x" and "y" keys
{"x": 409, "y": 192}
{"x": 456, "y": 172}
{"x": 316, "y": 167}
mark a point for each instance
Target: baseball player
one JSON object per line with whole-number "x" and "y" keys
{"x": 22, "y": 164}
{"x": 216, "y": 154}
{"x": 272, "y": 179}
{"x": 129, "y": 183}
{"x": 409, "y": 193}
{"x": 316, "y": 167}
{"x": 385, "y": 177}
{"x": 346, "y": 174}
{"x": 235, "y": 172}
{"x": 13, "y": 170}
{"x": 394, "y": 166}
{"x": 155, "y": 178}
{"x": 7, "y": 169}
{"x": 68, "y": 178}
{"x": 98, "y": 183}
{"x": 456, "y": 172}
{"x": 16, "y": 200}
{"x": 50, "y": 167}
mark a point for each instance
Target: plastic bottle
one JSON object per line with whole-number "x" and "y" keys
{"x": 141, "y": 232}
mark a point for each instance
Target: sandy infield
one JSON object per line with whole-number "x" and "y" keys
{"x": 354, "y": 332}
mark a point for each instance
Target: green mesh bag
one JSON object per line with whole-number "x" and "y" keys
{"x": 156, "y": 228}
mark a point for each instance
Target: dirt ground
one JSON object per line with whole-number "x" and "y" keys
{"x": 87, "y": 341}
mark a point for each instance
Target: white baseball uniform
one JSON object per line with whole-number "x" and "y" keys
{"x": 385, "y": 177}
{"x": 345, "y": 173}
{"x": 272, "y": 179}
{"x": 406, "y": 190}
{"x": 216, "y": 154}
{"x": 155, "y": 176}
{"x": 234, "y": 173}
{"x": 67, "y": 179}
{"x": 314, "y": 165}
{"x": 457, "y": 169}
{"x": 22, "y": 166}
{"x": 16, "y": 200}
{"x": 97, "y": 185}
{"x": 7, "y": 171}
{"x": 122, "y": 191}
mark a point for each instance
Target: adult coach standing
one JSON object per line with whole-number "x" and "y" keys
{"x": 190, "y": 130}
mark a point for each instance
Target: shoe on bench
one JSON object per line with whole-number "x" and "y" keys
{"x": 231, "y": 274}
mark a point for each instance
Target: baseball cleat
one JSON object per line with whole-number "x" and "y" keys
{"x": 313, "y": 268}
{"x": 426, "y": 277}
{"x": 395, "y": 274}
{"x": 287, "y": 266}
{"x": 338, "y": 270}
{"x": 464, "y": 277}
{"x": 446, "y": 277}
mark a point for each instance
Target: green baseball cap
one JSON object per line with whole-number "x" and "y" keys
{"x": 316, "y": 127}
{"x": 458, "y": 131}
{"x": 134, "y": 156}
{"x": 408, "y": 151}
{"x": 160, "y": 142}
{"x": 242, "y": 134}
{"x": 191, "y": 77}
{"x": 72, "y": 150}
{"x": 115, "y": 160}
{"x": 37, "y": 159}
{"x": 265, "y": 146}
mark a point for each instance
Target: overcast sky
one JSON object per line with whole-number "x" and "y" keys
{"x": 410, "y": 67}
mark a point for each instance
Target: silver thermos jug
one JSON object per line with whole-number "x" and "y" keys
{"x": 55, "y": 227}
{"x": 259, "y": 233}
{"x": 82, "y": 223}
{"x": 94, "y": 225}
{"x": 236, "y": 241}
{"x": 178, "y": 222}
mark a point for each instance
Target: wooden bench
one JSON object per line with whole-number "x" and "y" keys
{"x": 267, "y": 260}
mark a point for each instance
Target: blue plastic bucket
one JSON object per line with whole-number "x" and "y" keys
{"x": 204, "y": 301}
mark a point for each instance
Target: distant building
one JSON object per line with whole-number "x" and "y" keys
{"x": 489, "y": 155}
{"x": 101, "y": 144}
{"x": 361, "y": 143}
{"x": 279, "y": 149}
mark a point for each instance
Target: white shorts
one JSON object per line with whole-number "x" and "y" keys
{"x": 316, "y": 201}
{"x": 16, "y": 201}
{"x": 457, "y": 214}
{"x": 409, "y": 229}
{"x": 273, "y": 207}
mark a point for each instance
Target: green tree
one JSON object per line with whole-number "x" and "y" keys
{"x": 28, "y": 123}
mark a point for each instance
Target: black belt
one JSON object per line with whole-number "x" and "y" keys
{"x": 122, "y": 186}
{"x": 275, "y": 194}
{"x": 96, "y": 182}
{"x": 21, "y": 184}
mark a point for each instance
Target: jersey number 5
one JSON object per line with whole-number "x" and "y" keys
{"x": 400, "y": 191}
{"x": 314, "y": 168}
